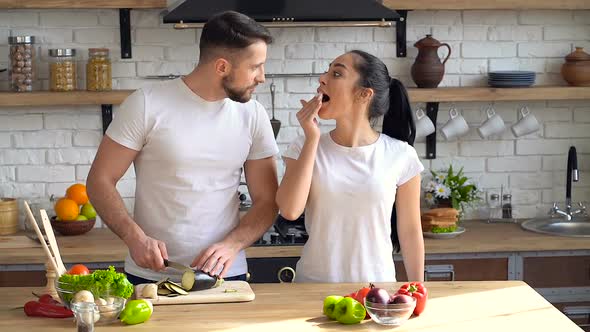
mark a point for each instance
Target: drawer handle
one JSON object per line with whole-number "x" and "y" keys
{"x": 445, "y": 270}
{"x": 285, "y": 273}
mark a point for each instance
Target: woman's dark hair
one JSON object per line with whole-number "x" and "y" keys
{"x": 390, "y": 100}
{"x": 230, "y": 31}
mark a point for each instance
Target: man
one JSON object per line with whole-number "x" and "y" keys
{"x": 189, "y": 140}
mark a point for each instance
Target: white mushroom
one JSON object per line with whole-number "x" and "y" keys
{"x": 100, "y": 302}
{"x": 83, "y": 296}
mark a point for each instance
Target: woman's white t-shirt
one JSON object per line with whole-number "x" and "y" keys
{"x": 348, "y": 211}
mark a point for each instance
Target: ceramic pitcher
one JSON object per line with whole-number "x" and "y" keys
{"x": 428, "y": 70}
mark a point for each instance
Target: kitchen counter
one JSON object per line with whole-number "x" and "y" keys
{"x": 101, "y": 245}
{"x": 457, "y": 306}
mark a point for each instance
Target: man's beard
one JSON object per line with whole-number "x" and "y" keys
{"x": 235, "y": 94}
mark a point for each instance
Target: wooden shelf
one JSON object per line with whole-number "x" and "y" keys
{"x": 68, "y": 4}
{"x": 485, "y": 4}
{"x": 459, "y": 94}
{"x": 47, "y": 98}
{"x": 499, "y": 94}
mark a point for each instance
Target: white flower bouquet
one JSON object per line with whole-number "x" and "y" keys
{"x": 450, "y": 189}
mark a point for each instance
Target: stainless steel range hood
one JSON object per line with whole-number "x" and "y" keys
{"x": 286, "y": 13}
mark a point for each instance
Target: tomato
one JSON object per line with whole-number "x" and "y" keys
{"x": 79, "y": 269}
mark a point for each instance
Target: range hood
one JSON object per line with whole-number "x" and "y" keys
{"x": 285, "y": 13}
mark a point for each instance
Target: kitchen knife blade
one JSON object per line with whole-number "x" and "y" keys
{"x": 177, "y": 266}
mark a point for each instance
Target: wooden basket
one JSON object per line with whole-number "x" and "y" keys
{"x": 8, "y": 216}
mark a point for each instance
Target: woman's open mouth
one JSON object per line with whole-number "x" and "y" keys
{"x": 325, "y": 98}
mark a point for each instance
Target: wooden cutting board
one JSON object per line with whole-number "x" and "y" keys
{"x": 17, "y": 242}
{"x": 242, "y": 293}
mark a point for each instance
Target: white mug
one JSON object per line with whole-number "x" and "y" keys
{"x": 492, "y": 125}
{"x": 424, "y": 125}
{"x": 456, "y": 126}
{"x": 527, "y": 124}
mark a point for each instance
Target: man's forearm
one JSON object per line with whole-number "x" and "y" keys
{"x": 254, "y": 224}
{"x": 109, "y": 205}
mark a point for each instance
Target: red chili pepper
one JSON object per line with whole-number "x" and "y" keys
{"x": 39, "y": 309}
{"x": 417, "y": 291}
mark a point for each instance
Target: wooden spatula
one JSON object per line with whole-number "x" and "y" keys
{"x": 33, "y": 222}
{"x": 52, "y": 242}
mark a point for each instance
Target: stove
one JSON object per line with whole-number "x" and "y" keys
{"x": 284, "y": 233}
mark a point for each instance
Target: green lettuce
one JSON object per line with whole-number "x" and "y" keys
{"x": 101, "y": 283}
{"x": 437, "y": 229}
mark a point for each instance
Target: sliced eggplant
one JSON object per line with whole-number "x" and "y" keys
{"x": 199, "y": 280}
{"x": 177, "y": 289}
{"x": 164, "y": 291}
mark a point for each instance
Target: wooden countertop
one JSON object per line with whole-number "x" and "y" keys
{"x": 101, "y": 245}
{"x": 457, "y": 306}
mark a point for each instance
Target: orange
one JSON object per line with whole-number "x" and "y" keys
{"x": 77, "y": 193}
{"x": 66, "y": 209}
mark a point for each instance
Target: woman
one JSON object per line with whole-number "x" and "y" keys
{"x": 347, "y": 180}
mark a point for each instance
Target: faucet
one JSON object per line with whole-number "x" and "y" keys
{"x": 571, "y": 175}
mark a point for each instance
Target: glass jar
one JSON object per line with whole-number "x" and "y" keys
{"x": 62, "y": 69}
{"x": 507, "y": 206}
{"x": 22, "y": 63}
{"x": 98, "y": 70}
{"x": 495, "y": 210}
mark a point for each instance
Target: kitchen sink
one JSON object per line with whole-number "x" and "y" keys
{"x": 577, "y": 227}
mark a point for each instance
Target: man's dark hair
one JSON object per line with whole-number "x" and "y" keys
{"x": 230, "y": 31}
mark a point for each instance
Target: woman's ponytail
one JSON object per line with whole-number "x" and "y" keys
{"x": 398, "y": 121}
{"x": 399, "y": 124}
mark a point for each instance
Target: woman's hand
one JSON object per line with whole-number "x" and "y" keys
{"x": 307, "y": 116}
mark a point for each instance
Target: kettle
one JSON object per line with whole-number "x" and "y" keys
{"x": 428, "y": 70}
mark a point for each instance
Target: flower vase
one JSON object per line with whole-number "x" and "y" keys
{"x": 444, "y": 203}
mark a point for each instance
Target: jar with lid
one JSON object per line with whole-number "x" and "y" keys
{"x": 22, "y": 63}
{"x": 62, "y": 69}
{"x": 494, "y": 207}
{"x": 507, "y": 206}
{"x": 98, "y": 70}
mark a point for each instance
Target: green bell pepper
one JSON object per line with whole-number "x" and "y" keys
{"x": 136, "y": 312}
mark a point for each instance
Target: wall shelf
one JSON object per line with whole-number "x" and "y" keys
{"x": 499, "y": 94}
{"x": 47, "y": 98}
{"x": 70, "y": 4}
{"x": 458, "y": 94}
{"x": 485, "y": 4}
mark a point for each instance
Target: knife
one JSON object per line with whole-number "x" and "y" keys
{"x": 177, "y": 266}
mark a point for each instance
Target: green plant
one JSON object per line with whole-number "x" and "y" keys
{"x": 454, "y": 187}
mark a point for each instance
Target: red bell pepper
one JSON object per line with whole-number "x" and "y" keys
{"x": 417, "y": 291}
{"x": 46, "y": 298}
{"x": 41, "y": 309}
{"x": 360, "y": 296}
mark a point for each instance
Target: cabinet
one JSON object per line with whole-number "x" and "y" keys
{"x": 557, "y": 271}
{"x": 468, "y": 269}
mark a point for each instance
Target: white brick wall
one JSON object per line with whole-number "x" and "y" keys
{"x": 44, "y": 150}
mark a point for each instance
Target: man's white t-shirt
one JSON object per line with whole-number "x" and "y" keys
{"x": 348, "y": 211}
{"x": 191, "y": 154}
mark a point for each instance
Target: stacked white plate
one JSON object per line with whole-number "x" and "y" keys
{"x": 511, "y": 79}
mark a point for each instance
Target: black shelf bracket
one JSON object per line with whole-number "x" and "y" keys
{"x": 400, "y": 34}
{"x": 107, "y": 116}
{"x": 125, "y": 31}
{"x": 431, "y": 112}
